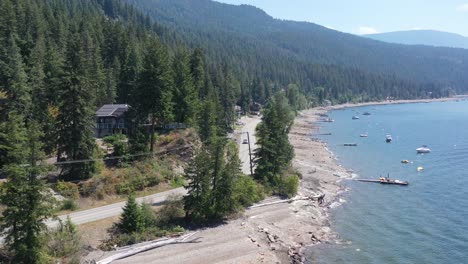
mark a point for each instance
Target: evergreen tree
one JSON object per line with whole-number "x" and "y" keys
{"x": 198, "y": 174}
{"x": 131, "y": 219}
{"x": 24, "y": 195}
{"x": 274, "y": 153}
{"x": 224, "y": 191}
{"x": 129, "y": 75}
{"x": 152, "y": 97}
{"x": 184, "y": 95}
{"x": 75, "y": 118}
{"x": 197, "y": 69}
{"x": 293, "y": 96}
{"x": 14, "y": 77}
{"x": 207, "y": 120}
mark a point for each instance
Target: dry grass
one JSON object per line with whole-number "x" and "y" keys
{"x": 95, "y": 232}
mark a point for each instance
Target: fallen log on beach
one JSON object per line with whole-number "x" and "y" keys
{"x": 133, "y": 250}
{"x": 300, "y": 198}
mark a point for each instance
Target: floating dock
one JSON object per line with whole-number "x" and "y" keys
{"x": 385, "y": 181}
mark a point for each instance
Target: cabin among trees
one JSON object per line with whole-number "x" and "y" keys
{"x": 255, "y": 108}
{"x": 110, "y": 119}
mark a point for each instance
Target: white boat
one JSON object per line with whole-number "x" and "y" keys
{"x": 355, "y": 117}
{"x": 388, "y": 138}
{"x": 423, "y": 149}
{"x": 363, "y": 135}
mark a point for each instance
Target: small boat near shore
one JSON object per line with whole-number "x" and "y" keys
{"x": 355, "y": 117}
{"x": 363, "y": 135}
{"x": 388, "y": 138}
{"x": 366, "y": 113}
{"x": 350, "y": 144}
{"x": 405, "y": 161}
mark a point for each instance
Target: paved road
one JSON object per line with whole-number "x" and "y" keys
{"x": 250, "y": 125}
{"x": 115, "y": 209}
{"x": 111, "y": 210}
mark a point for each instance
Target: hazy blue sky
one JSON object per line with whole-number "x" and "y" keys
{"x": 371, "y": 16}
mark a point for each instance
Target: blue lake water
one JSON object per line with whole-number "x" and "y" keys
{"x": 425, "y": 222}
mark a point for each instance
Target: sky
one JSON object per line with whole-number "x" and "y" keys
{"x": 370, "y": 16}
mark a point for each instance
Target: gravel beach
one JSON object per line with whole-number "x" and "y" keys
{"x": 275, "y": 233}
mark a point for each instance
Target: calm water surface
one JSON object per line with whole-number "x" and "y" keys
{"x": 425, "y": 222}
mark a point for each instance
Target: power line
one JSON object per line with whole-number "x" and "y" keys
{"x": 161, "y": 153}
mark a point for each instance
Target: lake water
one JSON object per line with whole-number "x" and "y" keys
{"x": 425, "y": 222}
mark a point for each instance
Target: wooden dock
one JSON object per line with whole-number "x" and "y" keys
{"x": 385, "y": 181}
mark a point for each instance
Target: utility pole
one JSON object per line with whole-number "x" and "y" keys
{"x": 250, "y": 154}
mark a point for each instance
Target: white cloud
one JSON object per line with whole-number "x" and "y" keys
{"x": 367, "y": 30}
{"x": 463, "y": 8}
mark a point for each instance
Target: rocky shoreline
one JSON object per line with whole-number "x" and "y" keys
{"x": 279, "y": 232}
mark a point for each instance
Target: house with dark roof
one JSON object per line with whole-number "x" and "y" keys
{"x": 110, "y": 119}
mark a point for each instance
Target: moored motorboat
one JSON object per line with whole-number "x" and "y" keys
{"x": 388, "y": 138}
{"x": 423, "y": 149}
{"x": 363, "y": 135}
{"x": 405, "y": 161}
{"x": 366, "y": 113}
{"x": 355, "y": 117}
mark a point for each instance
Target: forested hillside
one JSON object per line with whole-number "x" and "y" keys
{"x": 60, "y": 60}
{"x": 423, "y": 37}
{"x": 284, "y": 49}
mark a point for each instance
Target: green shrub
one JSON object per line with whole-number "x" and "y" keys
{"x": 288, "y": 186}
{"x": 148, "y": 217}
{"x": 247, "y": 191}
{"x": 177, "y": 181}
{"x": 172, "y": 211}
{"x": 64, "y": 242}
{"x": 112, "y": 139}
{"x": 152, "y": 180}
{"x": 120, "y": 148}
{"x": 69, "y": 205}
{"x": 180, "y": 142}
{"x": 67, "y": 189}
{"x": 138, "y": 183}
{"x": 123, "y": 188}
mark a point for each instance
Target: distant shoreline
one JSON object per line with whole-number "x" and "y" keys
{"x": 390, "y": 102}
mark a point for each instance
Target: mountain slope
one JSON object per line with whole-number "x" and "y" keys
{"x": 230, "y": 25}
{"x": 423, "y": 37}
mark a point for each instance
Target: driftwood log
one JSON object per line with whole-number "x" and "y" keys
{"x": 317, "y": 198}
{"x": 133, "y": 250}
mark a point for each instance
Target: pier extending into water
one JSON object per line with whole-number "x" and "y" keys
{"x": 385, "y": 181}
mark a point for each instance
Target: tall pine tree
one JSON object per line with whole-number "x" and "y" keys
{"x": 76, "y": 112}
{"x": 24, "y": 195}
{"x": 184, "y": 96}
{"x": 153, "y": 96}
